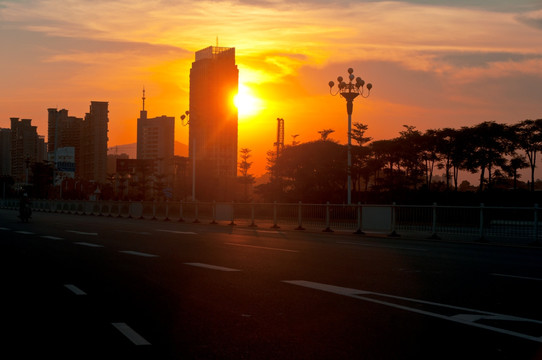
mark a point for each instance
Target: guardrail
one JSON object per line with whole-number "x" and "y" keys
{"x": 463, "y": 223}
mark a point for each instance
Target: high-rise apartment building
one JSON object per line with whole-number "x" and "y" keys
{"x": 5, "y": 152}
{"x": 64, "y": 131}
{"x": 155, "y": 139}
{"x": 93, "y": 154}
{"x": 214, "y": 80}
{"x": 27, "y": 147}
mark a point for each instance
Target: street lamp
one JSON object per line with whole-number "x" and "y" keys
{"x": 186, "y": 116}
{"x": 350, "y": 91}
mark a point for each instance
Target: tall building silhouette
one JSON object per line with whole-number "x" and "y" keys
{"x": 93, "y": 156}
{"x": 155, "y": 139}
{"x": 64, "y": 131}
{"x": 27, "y": 147}
{"x": 214, "y": 80}
{"x": 5, "y": 152}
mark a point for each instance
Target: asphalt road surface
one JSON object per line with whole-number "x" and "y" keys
{"x": 77, "y": 287}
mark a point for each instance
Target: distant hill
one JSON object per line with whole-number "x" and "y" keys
{"x": 180, "y": 149}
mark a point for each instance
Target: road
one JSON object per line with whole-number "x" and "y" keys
{"x": 78, "y": 287}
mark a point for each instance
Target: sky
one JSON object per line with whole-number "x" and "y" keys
{"x": 433, "y": 64}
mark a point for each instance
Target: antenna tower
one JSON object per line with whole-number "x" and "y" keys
{"x": 280, "y": 136}
{"x": 143, "y": 98}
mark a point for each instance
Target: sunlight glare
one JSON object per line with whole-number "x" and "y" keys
{"x": 247, "y": 104}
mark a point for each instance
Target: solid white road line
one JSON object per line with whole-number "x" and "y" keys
{"x": 137, "y": 253}
{"x": 213, "y": 267}
{"x": 3, "y": 228}
{"x": 25, "y": 232}
{"x": 262, "y": 247}
{"x": 466, "y": 319}
{"x": 517, "y": 277}
{"x": 82, "y": 232}
{"x": 130, "y": 334}
{"x": 179, "y": 232}
{"x": 51, "y": 237}
{"x": 88, "y": 244}
{"x": 74, "y": 289}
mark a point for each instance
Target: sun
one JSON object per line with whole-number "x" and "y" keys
{"x": 247, "y": 104}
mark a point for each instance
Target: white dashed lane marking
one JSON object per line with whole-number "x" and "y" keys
{"x": 88, "y": 244}
{"x": 137, "y": 253}
{"x": 212, "y": 267}
{"x": 82, "y": 232}
{"x": 133, "y": 336}
{"x": 74, "y": 289}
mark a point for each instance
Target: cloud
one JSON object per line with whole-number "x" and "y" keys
{"x": 533, "y": 18}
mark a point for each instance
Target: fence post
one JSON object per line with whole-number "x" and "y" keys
{"x": 393, "y": 220}
{"x": 213, "y": 221}
{"x": 535, "y": 224}
{"x": 232, "y": 214}
{"x": 196, "y": 220}
{"x": 275, "y": 225}
{"x": 153, "y": 210}
{"x": 328, "y": 228}
{"x": 299, "y": 217}
{"x": 141, "y": 217}
{"x": 252, "y": 215}
{"x": 481, "y": 231}
{"x": 167, "y": 210}
{"x": 434, "y": 235}
{"x": 180, "y": 211}
{"x": 359, "y": 231}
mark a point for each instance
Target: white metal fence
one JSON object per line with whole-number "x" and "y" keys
{"x": 519, "y": 225}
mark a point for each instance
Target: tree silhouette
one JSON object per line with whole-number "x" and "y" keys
{"x": 325, "y": 133}
{"x": 529, "y": 137}
{"x": 310, "y": 172}
{"x": 245, "y": 179}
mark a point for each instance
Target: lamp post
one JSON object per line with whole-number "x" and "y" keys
{"x": 350, "y": 91}
{"x": 186, "y": 115}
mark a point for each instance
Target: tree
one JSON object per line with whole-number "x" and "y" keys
{"x": 312, "y": 172}
{"x": 529, "y": 139}
{"x": 487, "y": 149}
{"x": 358, "y": 133}
{"x": 511, "y": 169}
{"x": 325, "y": 133}
{"x": 360, "y": 155}
{"x": 245, "y": 179}
{"x": 429, "y": 154}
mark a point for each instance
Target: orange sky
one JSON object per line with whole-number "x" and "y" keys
{"x": 433, "y": 64}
